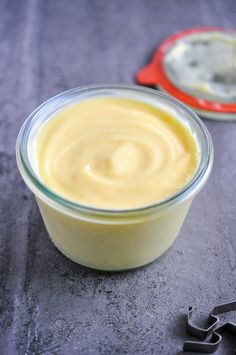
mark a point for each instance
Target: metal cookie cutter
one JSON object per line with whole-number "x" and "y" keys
{"x": 202, "y": 333}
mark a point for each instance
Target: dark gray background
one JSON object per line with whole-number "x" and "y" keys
{"x": 48, "y": 304}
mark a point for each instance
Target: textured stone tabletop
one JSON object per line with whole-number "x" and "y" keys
{"x": 48, "y": 304}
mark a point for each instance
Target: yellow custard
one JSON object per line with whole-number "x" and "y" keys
{"x": 115, "y": 153}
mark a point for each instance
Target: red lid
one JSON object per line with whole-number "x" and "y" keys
{"x": 155, "y": 74}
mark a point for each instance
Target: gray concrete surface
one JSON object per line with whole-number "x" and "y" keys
{"x": 48, "y": 304}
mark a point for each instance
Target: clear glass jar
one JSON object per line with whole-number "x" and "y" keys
{"x": 112, "y": 239}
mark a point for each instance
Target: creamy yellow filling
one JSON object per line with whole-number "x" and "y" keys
{"x": 115, "y": 153}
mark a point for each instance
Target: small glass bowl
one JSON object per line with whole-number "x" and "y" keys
{"x": 112, "y": 239}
